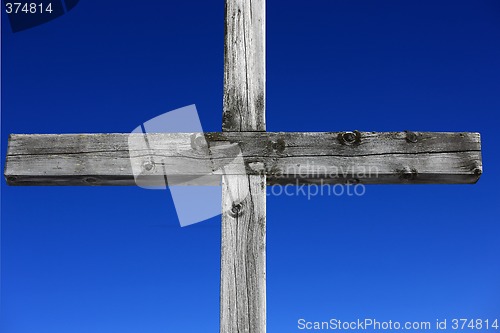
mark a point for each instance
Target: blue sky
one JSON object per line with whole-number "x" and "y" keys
{"x": 115, "y": 259}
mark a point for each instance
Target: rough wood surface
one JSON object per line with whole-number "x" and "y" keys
{"x": 285, "y": 158}
{"x": 244, "y": 66}
{"x": 243, "y": 256}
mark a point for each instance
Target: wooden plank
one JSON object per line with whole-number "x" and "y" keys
{"x": 271, "y": 144}
{"x": 244, "y": 66}
{"x": 243, "y": 255}
{"x": 285, "y": 158}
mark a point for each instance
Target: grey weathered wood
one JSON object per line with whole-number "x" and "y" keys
{"x": 243, "y": 255}
{"x": 244, "y": 66}
{"x": 287, "y": 158}
{"x": 272, "y": 144}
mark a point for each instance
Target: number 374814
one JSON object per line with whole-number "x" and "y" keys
{"x": 475, "y": 324}
{"x": 28, "y": 8}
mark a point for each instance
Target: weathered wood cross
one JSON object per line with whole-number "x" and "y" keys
{"x": 269, "y": 158}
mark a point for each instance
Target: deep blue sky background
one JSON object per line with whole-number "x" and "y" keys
{"x": 115, "y": 259}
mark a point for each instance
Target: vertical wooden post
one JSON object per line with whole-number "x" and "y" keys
{"x": 245, "y": 66}
{"x": 243, "y": 255}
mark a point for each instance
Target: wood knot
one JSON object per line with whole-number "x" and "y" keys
{"x": 350, "y": 138}
{"x": 148, "y": 165}
{"x": 411, "y": 137}
{"x": 279, "y": 146}
{"x": 90, "y": 180}
{"x": 408, "y": 174}
{"x": 236, "y": 210}
{"x": 11, "y": 179}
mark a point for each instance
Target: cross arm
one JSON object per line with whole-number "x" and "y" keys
{"x": 285, "y": 158}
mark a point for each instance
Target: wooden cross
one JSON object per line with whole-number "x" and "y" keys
{"x": 270, "y": 158}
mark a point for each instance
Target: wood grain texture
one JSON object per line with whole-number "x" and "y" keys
{"x": 244, "y": 66}
{"x": 285, "y": 158}
{"x": 243, "y": 259}
{"x": 243, "y": 255}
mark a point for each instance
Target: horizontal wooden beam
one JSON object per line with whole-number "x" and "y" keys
{"x": 285, "y": 158}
